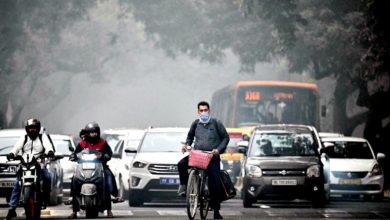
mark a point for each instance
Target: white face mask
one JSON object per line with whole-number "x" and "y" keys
{"x": 204, "y": 117}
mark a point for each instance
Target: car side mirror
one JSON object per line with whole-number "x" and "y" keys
{"x": 116, "y": 155}
{"x": 71, "y": 148}
{"x": 245, "y": 138}
{"x": 130, "y": 150}
{"x": 380, "y": 156}
{"x": 58, "y": 155}
{"x": 242, "y": 150}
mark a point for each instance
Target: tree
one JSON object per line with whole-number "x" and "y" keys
{"x": 315, "y": 37}
{"x": 27, "y": 29}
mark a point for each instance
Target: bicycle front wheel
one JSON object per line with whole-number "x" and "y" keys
{"x": 192, "y": 194}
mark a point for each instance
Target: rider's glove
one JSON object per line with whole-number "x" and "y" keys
{"x": 10, "y": 156}
{"x": 106, "y": 157}
{"x": 72, "y": 157}
{"x": 50, "y": 154}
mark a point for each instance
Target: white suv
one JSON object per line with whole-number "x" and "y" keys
{"x": 153, "y": 172}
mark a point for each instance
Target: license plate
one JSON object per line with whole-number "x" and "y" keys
{"x": 284, "y": 182}
{"x": 88, "y": 166}
{"x": 350, "y": 181}
{"x": 175, "y": 181}
{"x": 7, "y": 184}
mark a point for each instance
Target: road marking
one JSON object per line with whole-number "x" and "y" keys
{"x": 172, "y": 212}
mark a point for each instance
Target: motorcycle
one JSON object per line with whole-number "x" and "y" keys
{"x": 90, "y": 182}
{"x": 31, "y": 183}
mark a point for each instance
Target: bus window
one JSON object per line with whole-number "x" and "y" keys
{"x": 267, "y": 102}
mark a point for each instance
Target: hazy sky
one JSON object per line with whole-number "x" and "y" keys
{"x": 105, "y": 70}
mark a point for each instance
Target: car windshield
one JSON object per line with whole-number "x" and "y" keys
{"x": 162, "y": 142}
{"x": 355, "y": 150}
{"x": 62, "y": 146}
{"x": 112, "y": 139}
{"x": 7, "y": 143}
{"x": 283, "y": 144}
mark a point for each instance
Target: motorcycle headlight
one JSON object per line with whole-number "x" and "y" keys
{"x": 313, "y": 171}
{"x": 253, "y": 171}
{"x": 139, "y": 164}
{"x": 376, "y": 170}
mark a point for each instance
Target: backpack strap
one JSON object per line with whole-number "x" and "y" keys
{"x": 51, "y": 142}
{"x": 24, "y": 143}
{"x": 40, "y": 139}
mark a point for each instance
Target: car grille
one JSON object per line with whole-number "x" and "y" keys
{"x": 355, "y": 187}
{"x": 163, "y": 169}
{"x": 284, "y": 172}
{"x": 6, "y": 169}
{"x": 349, "y": 175}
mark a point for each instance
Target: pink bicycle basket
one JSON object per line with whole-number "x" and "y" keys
{"x": 199, "y": 159}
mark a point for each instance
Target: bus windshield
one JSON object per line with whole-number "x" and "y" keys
{"x": 275, "y": 104}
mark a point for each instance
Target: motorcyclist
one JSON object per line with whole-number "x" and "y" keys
{"x": 36, "y": 144}
{"x": 93, "y": 141}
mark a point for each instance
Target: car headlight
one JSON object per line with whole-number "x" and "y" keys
{"x": 253, "y": 171}
{"x": 376, "y": 170}
{"x": 313, "y": 171}
{"x": 139, "y": 164}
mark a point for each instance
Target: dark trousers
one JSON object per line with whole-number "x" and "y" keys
{"x": 213, "y": 173}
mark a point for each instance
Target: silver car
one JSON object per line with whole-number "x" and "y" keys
{"x": 353, "y": 168}
{"x": 64, "y": 144}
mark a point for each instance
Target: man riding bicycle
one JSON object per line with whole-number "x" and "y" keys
{"x": 210, "y": 135}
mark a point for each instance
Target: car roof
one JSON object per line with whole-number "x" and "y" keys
{"x": 344, "y": 138}
{"x": 12, "y": 132}
{"x": 284, "y": 127}
{"x": 17, "y": 132}
{"x": 61, "y": 137}
{"x": 122, "y": 131}
{"x": 167, "y": 129}
{"x": 329, "y": 134}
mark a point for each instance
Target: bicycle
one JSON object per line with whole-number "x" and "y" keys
{"x": 197, "y": 192}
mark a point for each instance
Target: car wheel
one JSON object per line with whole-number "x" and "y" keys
{"x": 135, "y": 199}
{"x": 247, "y": 202}
{"x": 121, "y": 191}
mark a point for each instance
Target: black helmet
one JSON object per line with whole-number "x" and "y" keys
{"x": 92, "y": 127}
{"x": 32, "y": 123}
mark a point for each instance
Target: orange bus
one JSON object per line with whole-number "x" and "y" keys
{"x": 249, "y": 103}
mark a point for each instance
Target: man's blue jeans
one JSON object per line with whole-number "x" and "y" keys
{"x": 15, "y": 196}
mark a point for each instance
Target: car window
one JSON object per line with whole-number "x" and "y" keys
{"x": 162, "y": 142}
{"x": 62, "y": 146}
{"x": 283, "y": 144}
{"x": 356, "y": 150}
{"x": 7, "y": 143}
{"x": 112, "y": 139}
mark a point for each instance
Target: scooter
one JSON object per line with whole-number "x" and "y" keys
{"x": 89, "y": 175}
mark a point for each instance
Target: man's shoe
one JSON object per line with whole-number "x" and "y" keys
{"x": 109, "y": 214}
{"x": 73, "y": 215}
{"x": 117, "y": 200}
{"x": 11, "y": 214}
{"x": 182, "y": 191}
{"x": 217, "y": 215}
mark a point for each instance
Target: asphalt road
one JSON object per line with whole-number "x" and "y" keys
{"x": 232, "y": 209}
